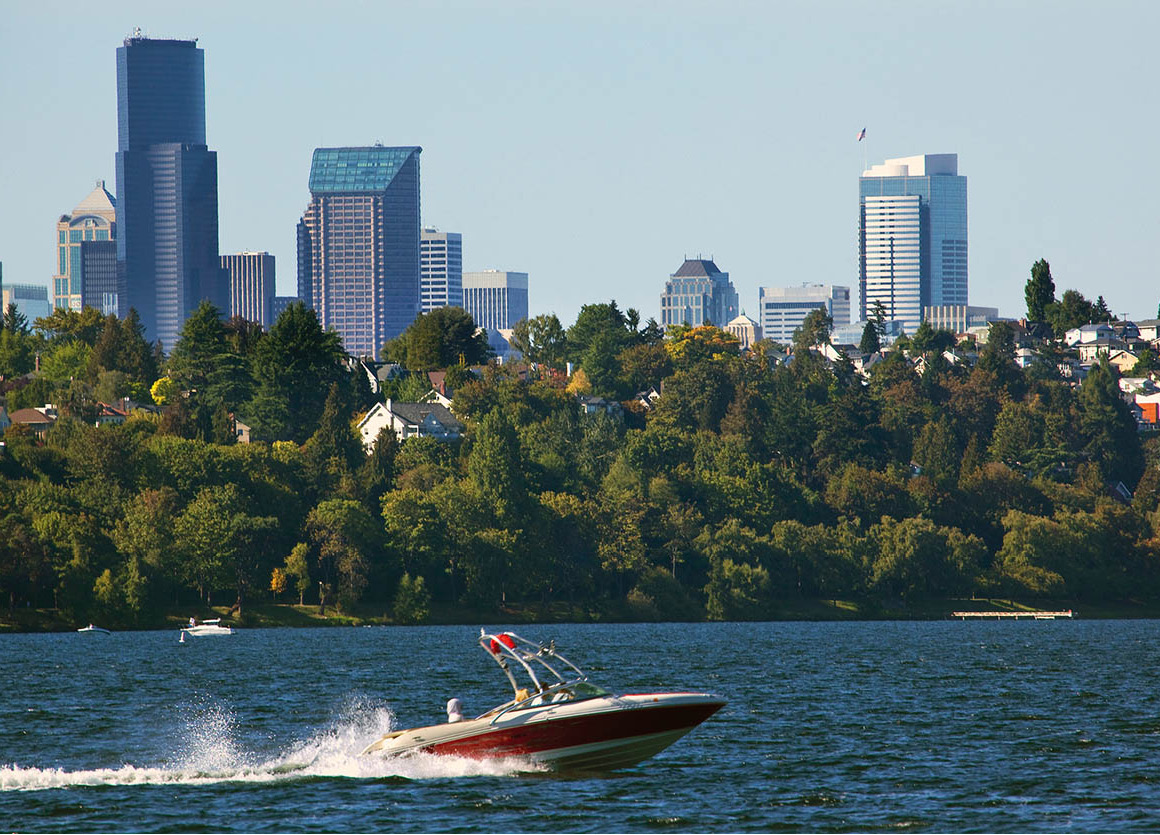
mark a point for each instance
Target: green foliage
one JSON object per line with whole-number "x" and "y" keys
{"x": 747, "y": 484}
{"x": 440, "y": 338}
{"x": 542, "y": 340}
{"x": 294, "y": 367}
{"x": 1039, "y": 291}
{"x": 412, "y": 601}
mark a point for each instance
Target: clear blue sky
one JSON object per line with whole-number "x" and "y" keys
{"x": 594, "y": 145}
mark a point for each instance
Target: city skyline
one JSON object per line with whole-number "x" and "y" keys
{"x": 580, "y": 148}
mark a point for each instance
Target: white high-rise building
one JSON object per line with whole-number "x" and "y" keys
{"x": 782, "y": 310}
{"x": 496, "y": 299}
{"x": 251, "y": 286}
{"x": 912, "y": 237}
{"x": 440, "y": 269}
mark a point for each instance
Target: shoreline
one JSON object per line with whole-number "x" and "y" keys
{"x": 274, "y": 615}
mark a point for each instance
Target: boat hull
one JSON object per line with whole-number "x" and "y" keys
{"x": 604, "y": 733}
{"x": 207, "y": 631}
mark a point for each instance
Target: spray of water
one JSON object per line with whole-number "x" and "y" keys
{"x": 208, "y": 753}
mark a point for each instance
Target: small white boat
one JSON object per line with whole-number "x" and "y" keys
{"x": 557, "y": 718}
{"x": 203, "y": 628}
{"x": 91, "y": 628}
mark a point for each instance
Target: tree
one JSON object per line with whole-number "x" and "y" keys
{"x": 295, "y": 566}
{"x": 689, "y": 345}
{"x": 438, "y": 339}
{"x": 412, "y": 600}
{"x": 1106, "y": 426}
{"x": 1071, "y": 311}
{"x": 1039, "y": 291}
{"x": 595, "y": 321}
{"x": 815, "y": 330}
{"x": 541, "y": 340}
{"x": 66, "y": 325}
{"x": 495, "y": 465}
{"x": 1146, "y": 363}
{"x": 294, "y": 366}
{"x": 164, "y": 390}
{"x": 346, "y": 541}
{"x": 201, "y": 342}
{"x": 870, "y": 342}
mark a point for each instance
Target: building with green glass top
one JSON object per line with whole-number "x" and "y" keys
{"x": 358, "y": 244}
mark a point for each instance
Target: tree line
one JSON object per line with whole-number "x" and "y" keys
{"x": 749, "y": 482}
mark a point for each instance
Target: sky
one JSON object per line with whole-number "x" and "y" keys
{"x": 595, "y": 145}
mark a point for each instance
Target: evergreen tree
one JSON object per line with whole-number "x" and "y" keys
{"x": 294, "y": 367}
{"x": 1039, "y": 291}
{"x": 201, "y": 341}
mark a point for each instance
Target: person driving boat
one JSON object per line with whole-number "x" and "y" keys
{"x": 454, "y": 710}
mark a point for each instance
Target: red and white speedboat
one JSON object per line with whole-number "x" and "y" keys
{"x": 556, "y": 717}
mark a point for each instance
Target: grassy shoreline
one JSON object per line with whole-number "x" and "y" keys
{"x": 293, "y": 615}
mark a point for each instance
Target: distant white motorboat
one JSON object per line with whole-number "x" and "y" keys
{"x": 91, "y": 628}
{"x": 200, "y": 629}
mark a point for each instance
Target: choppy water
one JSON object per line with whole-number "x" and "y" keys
{"x": 997, "y": 727}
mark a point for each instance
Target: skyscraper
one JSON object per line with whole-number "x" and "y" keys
{"x": 358, "y": 243}
{"x": 912, "y": 232}
{"x": 31, "y": 300}
{"x": 167, "y": 237}
{"x": 251, "y": 277}
{"x": 440, "y": 269}
{"x": 783, "y": 309}
{"x": 496, "y": 299}
{"x": 697, "y": 293}
{"x": 86, "y": 243}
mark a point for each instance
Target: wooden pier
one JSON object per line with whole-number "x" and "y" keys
{"x": 1014, "y": 615}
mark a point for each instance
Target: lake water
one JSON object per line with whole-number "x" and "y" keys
{"x": 997, "y": 727}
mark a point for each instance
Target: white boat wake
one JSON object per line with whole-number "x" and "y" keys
{"x": 209, "y": 753}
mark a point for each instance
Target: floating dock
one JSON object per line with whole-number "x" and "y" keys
{"x": 1014, "y": 615}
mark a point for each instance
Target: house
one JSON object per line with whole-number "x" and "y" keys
{"x": 436, "y": 396}
{"x": 409, "y": 420}
{"x": 1137, "y": 385}
{"x": 591, "y": 405}
{"x": 1088, "y": 333}
{"x": 1148, "y": 329}
{"x": 1089, "y": 352}
{"x": 647, "y": 398}
{"x": 5, "y": 421}
{"x": 37, "y": 420}
{"x": 242, "y": 430}
{"x": 109, "y": 414}
{"x": 1123, "y": 360}
{"x": 1024, "y": 357}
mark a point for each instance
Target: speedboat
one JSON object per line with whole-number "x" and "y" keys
{"x": 556, "y": 717}
{"x": 98, "y": 629}
{"x": 199, "y": 629}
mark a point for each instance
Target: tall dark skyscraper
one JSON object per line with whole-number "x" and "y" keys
{"x": 358, "y": 244}
{"x": 167, "y": 212}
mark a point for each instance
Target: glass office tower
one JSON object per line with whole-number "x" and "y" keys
{"x": 358, "y": 244}
{"x": 912, "y": 233}
{"x": 86, "y": 245}
{"x": 167, "y": 237}
{"x": 697, "y": 293}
